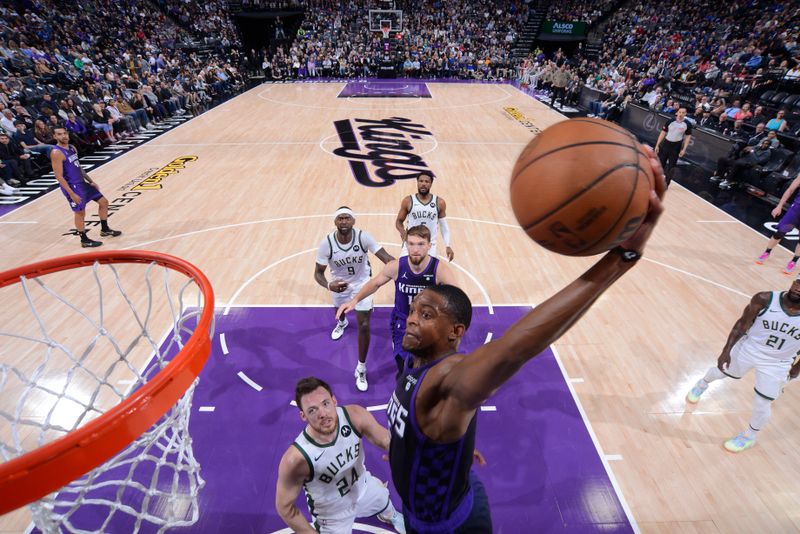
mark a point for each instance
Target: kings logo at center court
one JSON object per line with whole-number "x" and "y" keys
{"x": 381, "y": 151}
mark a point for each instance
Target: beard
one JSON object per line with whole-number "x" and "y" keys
{"x": 416, "y": 261}
{"x": 322, "y": 432}
{"x": 793, "y": 298}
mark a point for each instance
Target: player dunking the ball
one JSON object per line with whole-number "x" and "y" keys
{"x": 346, "y": 252}
{"x": 79, "y": 188}
{"x": 411, "y": 274}
{"x": 425, "y": 209}
{"x": 432, "y": 413}
{"x": 327, "y": 461}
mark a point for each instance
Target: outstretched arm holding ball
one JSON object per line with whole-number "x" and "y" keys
{"x": 446, "y": 388}
{"x": 461, "y": 383}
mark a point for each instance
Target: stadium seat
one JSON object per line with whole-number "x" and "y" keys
{"x": 781, "y": 186}
{"x": 778, "y": 98}
{"x": 790, "y": 101}
{"x": 758, "y": 175}
{"x": 766, "y": 98}
{"x": 777, "y": 182}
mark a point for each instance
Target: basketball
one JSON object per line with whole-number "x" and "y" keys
{"x": 581, "y": 187}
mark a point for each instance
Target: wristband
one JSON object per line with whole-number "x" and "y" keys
{"x": 627, "y": 255}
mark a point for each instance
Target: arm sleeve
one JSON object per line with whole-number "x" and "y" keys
{"x": 445, "y": 231}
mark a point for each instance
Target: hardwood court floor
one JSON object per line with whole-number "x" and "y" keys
{"x": 265, "y": 182}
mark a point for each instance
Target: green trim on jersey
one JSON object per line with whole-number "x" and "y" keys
{"x": 388, "y": 502}
{"x": 310, "y": 504}
{"x": 766, "y": 308}
{"x": 780, "y": 301}
{"x": 762, "y": 395}
{"x": 339, "y": 246}
{"x": 433, "y": 199}
{"x": 324, "y": 445}
{"x": 308, "y": 461}
{"x": 361, "y": 242}
{"x": 347, "y": 416}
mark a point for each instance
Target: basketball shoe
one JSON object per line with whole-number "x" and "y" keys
{"x": 110, "y": 233}
{"x": 361, "y": 379}
{"x": 694, "y": 394}
{"x": 396, "y": 521}
{"x": 90, "y": 243}
{"x": 339, "y": 330}
{"x": 789, "y": 268}
{"x": 740, "y": 443}
{"x": 761, "y": 259}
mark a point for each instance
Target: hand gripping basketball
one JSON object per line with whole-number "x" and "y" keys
{"x": 583, "y": 186}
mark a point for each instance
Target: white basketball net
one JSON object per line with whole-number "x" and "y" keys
{"x": 63, "y": 382}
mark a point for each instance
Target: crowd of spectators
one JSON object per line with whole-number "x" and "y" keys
{"x": 588, "y": 11}
{"x": 656, "y": 51}
{"x": 107, "y": 69}
{"x": 455, "y": 38}
{"x": 257, "y": 5}
{"x": 210, "y": 19}
{"x": 102, "y": 69}
{"x": 733, "y": 66}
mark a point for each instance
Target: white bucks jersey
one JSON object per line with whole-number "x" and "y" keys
{"x": 425, "y": 214}
{"x": 337, "y": 470}
{"x": 774, "y": 334}
{"x": 348, "y": 262}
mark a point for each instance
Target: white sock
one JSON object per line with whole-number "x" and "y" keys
{"x": 713, "y": 374}
{"x": 750, "y": 433}
{"x": 762, "y": 409}
{"x": 361, "y": 367}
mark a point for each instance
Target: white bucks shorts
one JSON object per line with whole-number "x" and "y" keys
{"x": 349, "y": 294}
{"x": 771, "y": 374}
{"x": 373, "y": 500}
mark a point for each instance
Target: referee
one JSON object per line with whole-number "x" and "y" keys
{"x": 673, "y": 141}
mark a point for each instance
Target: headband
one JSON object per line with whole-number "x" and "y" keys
{"x": 344, "y": 211}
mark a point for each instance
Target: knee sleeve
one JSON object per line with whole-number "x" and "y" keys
{"x": 778, "y": 235}
{"x": 762, "y": 408}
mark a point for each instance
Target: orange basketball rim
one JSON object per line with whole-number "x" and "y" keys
{"x": 42, "y": 471}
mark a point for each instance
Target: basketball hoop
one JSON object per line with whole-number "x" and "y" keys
{"x": 86, "y": 441}
{"x": 385, "y": 29}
